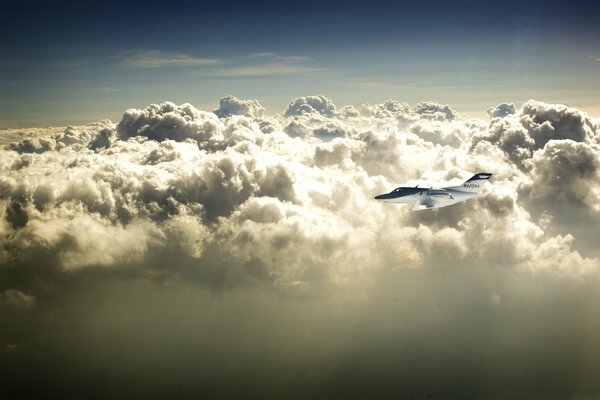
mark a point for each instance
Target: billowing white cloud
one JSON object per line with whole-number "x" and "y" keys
{"x": 292, "y": 206}
{"x": 231, "y": 105}
{"x": 501, "y": 110}
{"x": 387, "y": 109}
{"x": 311, "y": 105}
{"x": 244, "y": 230}
{"x": 436, "y": 111}
{"x": 169, "y": 121}
{"x": 520, "y": 134}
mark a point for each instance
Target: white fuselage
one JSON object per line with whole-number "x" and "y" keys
{"x": 428, "y": 197}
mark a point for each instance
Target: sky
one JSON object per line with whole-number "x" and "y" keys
{"x": 76, "y": 62}
{"x": 187, "y": 200}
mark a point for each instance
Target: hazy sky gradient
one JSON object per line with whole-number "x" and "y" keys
{"x": 75, "y": 62}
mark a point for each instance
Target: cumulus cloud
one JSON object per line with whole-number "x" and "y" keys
{"x": 389, "y": 108}
{"x": 168, "y": 121}
{"x": 501, "y": 110}
{"x": 437, "y": 111}
{"x": 168, "y": 169}
{"x": 405, "y": 114}
{"x": 520, "y": 134}
{"x": 276, "y": 214}
{"x": 231, "y": 105}
{"x": 567, "y": 173}
{"x": 311, "y": 105}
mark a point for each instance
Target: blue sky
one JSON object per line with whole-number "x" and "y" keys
{"x": 75, "y": 62}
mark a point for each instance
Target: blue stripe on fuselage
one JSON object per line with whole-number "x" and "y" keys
{"x": 400, "y": 192}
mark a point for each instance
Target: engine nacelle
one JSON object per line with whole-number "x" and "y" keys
{"x": 442, "y": 194}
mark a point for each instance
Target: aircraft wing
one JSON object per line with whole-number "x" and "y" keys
{"x": 418, "y": 207}
{"x": 424, "y": 204}
{"x": 429, "y": 202}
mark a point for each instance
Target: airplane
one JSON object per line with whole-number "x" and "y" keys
{"x": 427, "y": 198}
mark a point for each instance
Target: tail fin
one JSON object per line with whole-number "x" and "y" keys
{"x": 474, "y": 184}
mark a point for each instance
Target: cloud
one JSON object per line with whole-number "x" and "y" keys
{"x": 264, "y": 70}
{"x": 562, "y": 189}
{"x": 271, "y": 55}
{"x": 168, "y": 121}
{"x": 567, "y": 174}
{"x": 242, "y": 66}
{"x": 265, "y": 64}
{"x": 390, "y": 108}
{"x": 178, "y": 236}
{"x": 536, "y": 123}
{"x": 172, "y": 162}
{"x": 39, "y": 141}
{"x": 17, "y": 298}
{"x": 231, "y": 105}
{"x": 161, "y": 59}
{"x": 310, "y": 105}
{"x": 501, "y": 110}
{"x": 429, "y": 110}
{"x": 104, "y": 89}
{"x": 437, "y": 111}
{"x": 437, "y": 132}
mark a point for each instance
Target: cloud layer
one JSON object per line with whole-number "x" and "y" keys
{"x": 260, "y": 208}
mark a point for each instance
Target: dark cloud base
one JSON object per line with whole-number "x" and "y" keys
{"x": 140, "y": 339}
{"x": 231, "y": 254}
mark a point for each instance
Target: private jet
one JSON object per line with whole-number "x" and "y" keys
{"x": 426, "y": 198}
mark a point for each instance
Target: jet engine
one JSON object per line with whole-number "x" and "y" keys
{"x": 441, "y": 194}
